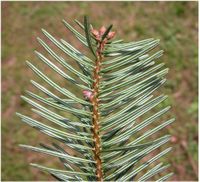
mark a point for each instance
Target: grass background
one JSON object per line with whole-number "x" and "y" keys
{"x": 175, "y": 23}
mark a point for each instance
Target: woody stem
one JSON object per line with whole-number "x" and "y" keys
{"x": 96, "y": 115}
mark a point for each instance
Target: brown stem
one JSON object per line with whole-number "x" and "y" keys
{"x": 96, "y": 115}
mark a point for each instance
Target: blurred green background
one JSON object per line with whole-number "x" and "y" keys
{"x": 175, "y": 23}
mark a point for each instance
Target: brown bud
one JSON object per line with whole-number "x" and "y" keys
{"x": 87, "y": 94}
{"x": 95, "y": 32}
{"x": 102, "y": 30}
{"x": 110, "y": 35}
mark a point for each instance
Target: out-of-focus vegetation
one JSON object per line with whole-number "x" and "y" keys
{"x": 175, "y": 23}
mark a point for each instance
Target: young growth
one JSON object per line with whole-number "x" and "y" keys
{"x": 106, "y": 127}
